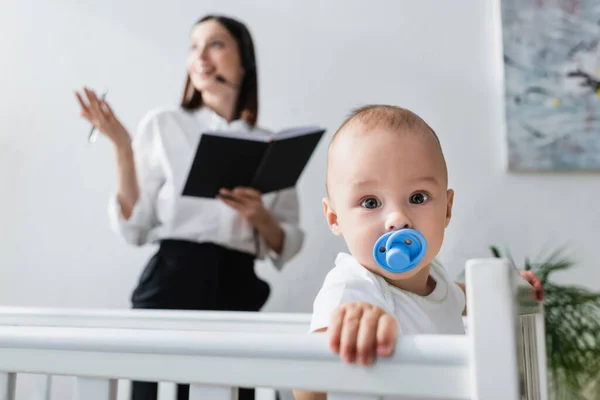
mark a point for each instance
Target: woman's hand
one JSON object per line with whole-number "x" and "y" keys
{"x": 99, "y": 114}
{"x": 247, "y": 201}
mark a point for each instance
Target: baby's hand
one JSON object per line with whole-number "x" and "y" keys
{"x": 532, "y": 278}
{"x": 360, "y": 331}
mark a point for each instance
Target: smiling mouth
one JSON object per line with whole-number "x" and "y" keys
{"x": 204, "y": 71}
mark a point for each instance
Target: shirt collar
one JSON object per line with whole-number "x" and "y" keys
{"x": 214, "y": 121}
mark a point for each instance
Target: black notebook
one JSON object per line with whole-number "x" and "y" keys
{"x": 266, "y": 163}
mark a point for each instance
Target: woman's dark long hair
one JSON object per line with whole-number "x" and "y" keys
{"x": 247, "y": 103}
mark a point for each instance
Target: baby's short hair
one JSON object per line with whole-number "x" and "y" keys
{"x": 390, "y": 117}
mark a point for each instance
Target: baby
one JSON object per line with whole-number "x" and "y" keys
{"x": 386, "y": 174}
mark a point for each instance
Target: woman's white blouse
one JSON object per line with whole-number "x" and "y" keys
{"x": 164, "y": 147}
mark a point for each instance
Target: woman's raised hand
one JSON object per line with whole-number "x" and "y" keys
{"x": 99, "y": 114}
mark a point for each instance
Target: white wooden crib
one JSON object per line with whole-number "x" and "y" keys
{"x": 501, "y": 357}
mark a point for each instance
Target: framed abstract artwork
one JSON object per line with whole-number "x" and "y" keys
{"x": 552, "y": 84}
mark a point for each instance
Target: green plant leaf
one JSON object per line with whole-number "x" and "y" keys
{"x": 527, "y": 264}
{"x": 495, "y": 251}
{"x": 554, "y": 262}
{"x": 572, "y": 336}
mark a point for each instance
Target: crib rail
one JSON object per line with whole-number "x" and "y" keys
{"x": 229, "y": 360}
{"x": 151, "y": 319}
{"x": 155, "y": 319}
{"x": 501, "y": 357}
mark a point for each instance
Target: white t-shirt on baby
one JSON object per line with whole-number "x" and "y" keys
{"x": 438, "y": 313}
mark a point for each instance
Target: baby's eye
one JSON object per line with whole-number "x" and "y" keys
{"x": 370, "y": 203}
{"x": 217, "y": 44}
{"x": 419, "y": 198}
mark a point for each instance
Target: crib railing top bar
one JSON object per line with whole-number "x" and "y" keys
{"x": 425, "y": 349}
{"x": 137, "y": 314}
{"x": 154, "y": 319}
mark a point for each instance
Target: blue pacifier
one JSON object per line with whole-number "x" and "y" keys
{"x": 400, "y": 251}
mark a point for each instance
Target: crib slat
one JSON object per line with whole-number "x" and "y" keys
{"x": 203, "y": 392}
{"x": 46, "y": 387}
{"x": 266, "y": 394}
{"x": 346, "y": 396}
{"x": 8, "y": 385}
{"x": 96, "y": 389}
{"x": 540, "y": 339}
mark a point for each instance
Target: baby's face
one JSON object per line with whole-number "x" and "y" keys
{"x": 380, "y": 181}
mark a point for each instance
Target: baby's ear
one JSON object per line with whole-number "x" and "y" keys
{"x": 331, "y": 217}
{"x": 450, "y": 197}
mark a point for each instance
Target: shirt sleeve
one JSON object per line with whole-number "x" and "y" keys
{"x": 286, "y": 211}
{"x": 457, "y": 293}
{"x": 150, "y": 177}
{"x": 343, "y": 285}
{"x": 460, "y": 296}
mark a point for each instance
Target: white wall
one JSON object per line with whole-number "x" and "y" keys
{"x": 317, "y": 60}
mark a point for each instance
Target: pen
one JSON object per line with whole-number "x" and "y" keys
{"x": 93, "y": 131}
